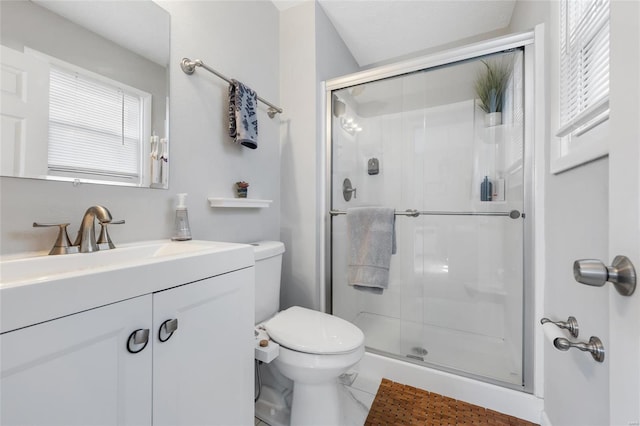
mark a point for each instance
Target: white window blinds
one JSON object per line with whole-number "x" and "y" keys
{"x": 584, "y": 65}
{"x": 95, "y": 128}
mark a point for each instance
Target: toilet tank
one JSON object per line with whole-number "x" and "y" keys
{"x": 268, "y": 257}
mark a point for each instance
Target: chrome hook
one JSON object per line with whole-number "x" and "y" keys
{"x": 594, "y": 346}
{"x": 571, "y": 324}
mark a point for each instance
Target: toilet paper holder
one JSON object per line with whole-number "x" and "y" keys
{"x": 571, "y": 325}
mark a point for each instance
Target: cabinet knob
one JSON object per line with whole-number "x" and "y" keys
{"x": 167, "y": 328}
{"x": 138, "y": 337}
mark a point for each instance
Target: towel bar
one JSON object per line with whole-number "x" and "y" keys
{"x": 189, "y": 66}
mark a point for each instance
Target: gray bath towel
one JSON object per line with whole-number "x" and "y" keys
{"x": 372, "y": 241}
{"x": 243, "y": 120}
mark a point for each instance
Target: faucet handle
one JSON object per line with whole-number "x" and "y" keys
{"x": 104, "y": 240}
{"x": 62, "y": 244}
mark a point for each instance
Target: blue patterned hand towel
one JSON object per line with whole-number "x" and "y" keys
{"x": 243, "y": 120}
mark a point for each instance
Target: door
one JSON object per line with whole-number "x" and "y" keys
{"x": 77, "y": 370}
{"x": 203, "y": 372}
{"x": 421, "y": 141}
{"x": 593, "y": 211}
{"x": 624, "y": 210}
{"x": 25, "y": 114}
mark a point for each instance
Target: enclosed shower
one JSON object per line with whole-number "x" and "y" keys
{"x": 453, "y": 166}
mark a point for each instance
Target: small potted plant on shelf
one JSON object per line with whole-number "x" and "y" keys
{"x": 490, "y": 87}
{"x": 241, "y": 189}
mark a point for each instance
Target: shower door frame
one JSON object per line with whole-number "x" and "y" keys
{"x": 532, "y": 43}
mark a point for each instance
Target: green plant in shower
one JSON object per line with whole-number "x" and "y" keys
{"x": 491, "y": 83}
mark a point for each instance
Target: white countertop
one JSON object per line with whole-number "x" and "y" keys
{"x": 102, "y": 278}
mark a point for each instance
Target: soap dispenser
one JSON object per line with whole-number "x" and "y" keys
{"x": 182, "y": 230}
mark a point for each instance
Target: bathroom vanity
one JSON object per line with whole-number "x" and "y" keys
{"x": 155, "y": 333}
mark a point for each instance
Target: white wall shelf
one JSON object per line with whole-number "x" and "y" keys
{"x": 239, "y": 202}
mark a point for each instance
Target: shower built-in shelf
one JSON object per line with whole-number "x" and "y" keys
{"x": 250, "y": 203}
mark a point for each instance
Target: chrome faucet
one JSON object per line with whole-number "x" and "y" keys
{"x": 86, "y": 238}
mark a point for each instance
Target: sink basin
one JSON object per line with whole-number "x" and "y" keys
{"x": 38, "y": 267}
{"x": 36, "y": 287}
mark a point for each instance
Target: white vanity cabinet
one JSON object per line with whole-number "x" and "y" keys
{"x": 76, "y": 370}
{"x": 203, "y": 373}
{"x": 79, "y": 370}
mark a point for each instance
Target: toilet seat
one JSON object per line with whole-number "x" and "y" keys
{"x": 305, "y": 330}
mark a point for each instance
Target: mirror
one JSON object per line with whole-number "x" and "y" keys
{"x": 85, "y": 91}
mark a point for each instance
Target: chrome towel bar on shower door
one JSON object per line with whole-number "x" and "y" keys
{"x": 513, "y": 214}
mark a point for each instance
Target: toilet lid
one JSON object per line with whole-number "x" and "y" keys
{"x": 314, "y": 332}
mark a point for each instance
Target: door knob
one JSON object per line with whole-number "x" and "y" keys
{"x": 595, "y": 273}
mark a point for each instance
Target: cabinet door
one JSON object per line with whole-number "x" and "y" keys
{"x": 203, "y": 374}
{"x": 77, "y": 370}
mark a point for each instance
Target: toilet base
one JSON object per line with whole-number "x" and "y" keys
{"x": 316, "y": 404}
{"x": 316, "y": 398}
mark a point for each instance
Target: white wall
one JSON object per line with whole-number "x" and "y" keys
{"x": 311, "y": 52}
{"x": 298, "y": 144}
{"x": 203, "y": 161}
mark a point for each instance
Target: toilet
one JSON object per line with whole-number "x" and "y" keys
{"x": 315, "y": 348}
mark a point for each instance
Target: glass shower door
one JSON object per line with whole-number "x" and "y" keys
{"x": 420, "y": 141}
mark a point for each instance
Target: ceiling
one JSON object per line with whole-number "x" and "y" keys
{"x": 379, "y": 30}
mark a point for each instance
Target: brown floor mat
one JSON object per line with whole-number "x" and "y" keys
{"x": 398, "y": 404}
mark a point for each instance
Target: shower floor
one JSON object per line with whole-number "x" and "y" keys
{"x": 475, "y": 354}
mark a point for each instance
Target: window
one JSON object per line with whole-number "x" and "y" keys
{"x": 584, "y": 83}
{"x": 95, "y": 128}
{"x": 584, "y": 65}
{"x": 96, "y": 125}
